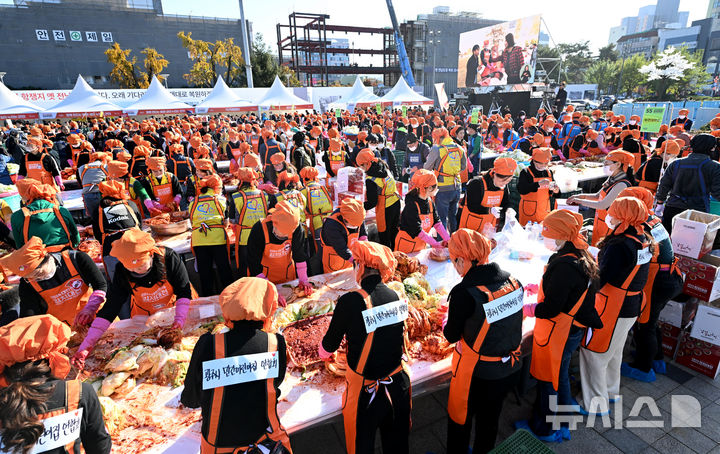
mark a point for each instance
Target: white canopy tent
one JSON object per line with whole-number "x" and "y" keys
{"x": 13, "y": 106}
{"x": 279, "y": 97}
{"x": 360, "y": 96}
{"x": 223, "y": 99}
{"x": 157, "y": 100}
{"x": 402, "y": 95}
{"x": 82, "y": 101}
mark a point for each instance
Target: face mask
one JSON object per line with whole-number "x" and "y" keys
{"x": 682, "y": 117}
{"x": 413, "y": 148}
{"x": 607, "y": 170}
{"x": 632, "y": 122}
{"x": 522, "y": 117}
{"x": 550, "y": 244}
{"x": 610, "y": 222}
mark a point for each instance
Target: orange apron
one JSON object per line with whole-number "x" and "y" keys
{"x": 163, "y": 191}
{"x": 255, "y": 142}
{"x": 405, "y": 243}
{"x": 276, "y": 432}
{"x": 65, "y": 300}
{"x": 330, "y": 259}
{"x": 73, "y": 393}
{"x": 356, "y": 384}
{"x": 473, "y": 221}
{"x": 277, "y": 262}
{"x": 36, "y": 171}
{"x": 549, "y": 339}
{"x": 101, "y": 213}
{"x": 658, "y": 232}
{"x": 465, "y": 358}
{"x": 26, "y": 227}
{"x": 608, "y": 303}
{"x": 336, "y": 162}
{"x": 644, "y": 183}
{"x": 534, "y": 206}
{"x": 600, "y": 229}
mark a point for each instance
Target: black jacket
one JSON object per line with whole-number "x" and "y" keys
{"x": 681, "y": 184}
{"x": 410, "y": 217}
{"x": 617, "y": 258}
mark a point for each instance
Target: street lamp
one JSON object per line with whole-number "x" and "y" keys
{"x": 165, "y": 78}
{"x": 434, "y": 42}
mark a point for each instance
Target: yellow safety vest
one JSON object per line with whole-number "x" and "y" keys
{"x": 448, "y": 173}
{"x": 207, "y": 213}
{"x": 252, "y": 207}
{"x": 296, "y": 199}
{"x": 319, "y": 203}
{"x": 388, "y": 188}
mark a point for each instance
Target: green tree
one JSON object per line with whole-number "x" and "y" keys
{"x": 264, "y": 66}
{"x": 608, "y": 53}
{"x": 630, "y": 78}
{"x": 126, "y": 72}
{"x": 690, "y": 72}
{"x": 576, "y": 60}
{"x": 288, "y": 77}
{"x": 604, "y": 73}
{"x": 210, "y": 60}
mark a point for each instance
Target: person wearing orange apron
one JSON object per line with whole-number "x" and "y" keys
{"x": 336, "y": 158}
{"x": 240, "y": 415}
{"x": 319, "y": 204}
{"x": 269, "y": 147}
{"x": 419, "y": 216}
{"x": 665, "y": 282}
{"x": 535, "y": 185}
{"x": 624, "y": 262}
{"x": 486, "y": 362}
{"x": 566, "y": 303}
{"x": 618, "y": 168}
{"x": 649, "y": 173}
{"x": 138, "y": 162}
{"x": 163, "y": 187}
{"x": 381, "y": 194}
{"x": 153, "y": 278}
{"x": 250, "y": 206}
{"x": 67, "y": 285}
{"x": 119, "y": 171}
{"x": 33, "y": 370}
{"x": 40, "y": 166}
{"x": 377, "y": 393}
{"x": 277, "y": 247}
{"x": 274, "y": 167}
{"x": 487, "y": 197}
{"x": 340, "y": 231}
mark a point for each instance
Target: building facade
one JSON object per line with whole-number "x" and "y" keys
{"x": 46, "y": 44}
{"x": 333, "y": 59}
{"x": 663, "y": 15}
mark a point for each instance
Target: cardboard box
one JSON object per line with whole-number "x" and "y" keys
{"x": 702, "y": 279}
{"x": 699, "y": 355}
{"x": 670, "y": 335}
{"x": 349, "y": 195}
{"x": 706, "y": 326}
{"x": 693, "y": 233}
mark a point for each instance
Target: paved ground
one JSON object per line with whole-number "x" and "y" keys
{"x": 429, "y": 422}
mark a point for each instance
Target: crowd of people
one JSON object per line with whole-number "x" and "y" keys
{"x": 286, "y": 225}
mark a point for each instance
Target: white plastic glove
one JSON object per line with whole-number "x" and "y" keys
{"x": 495, "y": 211}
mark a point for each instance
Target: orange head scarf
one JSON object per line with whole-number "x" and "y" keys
{"x": 469, "y": 245}
{"x": 368, "y": 254}
{"x": 353, "y": 211}
{"x": 335, "y": 145}
{"x": 204, "y": 164}
{"x": 504, "y": 166}
{"x": 124, "y": 156}
{"x": 176, "y": 148}
{"x": 285, "y": 218}
{"x": 365, "y": 156}
{"x": 24, "y": 186}
{"x": 32, "y": 339}
{"x": 277, "y": 158}
{"x": 542, "y": 155}
{"x": 623, "y": 157}
{"x": 642, "y": 194}
{"x": 423, "y": 179}
{"x": 538, "y": 139}
{"x": 213, "y": 182}
{"x": 247, "y": 175}
{"x": 564, "y": 225}
{"x": 117, "y": 169}
{"x": 114, "y": 189}
{"x": 288, "y": 177}
{"x": 156, "y": 163}
{"x": 309, "y": 174}
{"x": 141, "y": 150}
{"x": 26, "y": 259}
{"x": 133, "y": 247}
{"x": 100, "y": 156}
{"x": 202, "y": 152}
{"x": 43, "y": 192}
{"x": 249, "y": 298}
{"x": 195, "y": 141}
{"x": 251, "y": 160}
{"x": 670, "y": 147}
{"x": 630, "y": 211}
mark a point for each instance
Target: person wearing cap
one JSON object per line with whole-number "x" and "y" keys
{"x": 90, "y": 175}
{"x": 40, "y": 166}
{"x": 377, "y": 394}
{"x": 416, "y": 154}
{"x": 535, "y": 185}
{"x": 240, "y": 415}
{"x": 566, "y": 304}
{"x": 183, "y": 168}
{"x": 624, "y": 261}
{"x": 683, "y": 120}
{"x": 340, "y": 231}
{"x": 688, "y": 183}
{"x": 648, "y": 175}
{"x": 138, "y": 163}
{"x": 486, "y": 358}
{"x": 35, "y": 393}
{"x": 276, "y": 247}
{"x": 289, "y": 185}
{"x": 72, "y": 149}
{"x": 487, "y": 197}
{"x": 381, "y": 194}
{"x": 449, "y": 162}
{"x": 115, "y": 214}
{"x": 65, "y": 284}
{"x": 598, "y": 122}
{"x": 276, "y": 164}
{"x": 204, "y": 168}
{"x": 336, "y": 158}
{"x": 153, "y": 278}
{"x": 376, "y": 143}
{"x": 301, "y": 154}
{"x": 119, "y": 171}
{"x": 618, "y": 168}
{"x": 209, "y": 241}
{"x": 162, "y": 186}
{"x": 664, "y": 283}
{"x": 568, "y": 132}
{"x": 560, "y": 99}
{"x": 319, "y": 203}
{"x": 249, "y": 206}
{"x": 420, "y": 216}
{"x": 43, "y": 217}
{"x": 269, "y": 147}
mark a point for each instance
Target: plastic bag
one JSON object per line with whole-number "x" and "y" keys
{"x": 565, "y": 178}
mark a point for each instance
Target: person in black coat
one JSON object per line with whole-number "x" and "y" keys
{"x": 471, "y": 67}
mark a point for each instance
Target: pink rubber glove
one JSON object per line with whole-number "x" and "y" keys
{"x": 177, "y": 199}
{"x": 470, "y": 167}
{"x": 583, "y": 152}
{"x": 531, "y": 289}
{"x": 562, "y": 156}
{"x": 20, "y": 177}
{"x": 266, "y": 187}
{"x": 97, "y": 329}
{"x": 428, "y": 239}
{"x": 442, "y": 231}
{"x": 58, "y": 181}
{"x": 87, "y": 314}
{"x": 445, "y": 319}
{"x": 182, "y": 306}
{"x": 261, "y": 276}
{"x": 529, "y": 310}
{"x": 149, "y": 204}
{"x": 70, "y": 162}
{"x": 323, "y": 354}
{"x": 362, "y": 238}
{"x": 303, "y": 278}
{"x": 158, "y": 205}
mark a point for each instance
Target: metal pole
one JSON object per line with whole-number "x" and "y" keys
{"x": 246, "y": 47}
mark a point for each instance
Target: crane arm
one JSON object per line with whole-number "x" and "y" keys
{"x": 400, "y": 44}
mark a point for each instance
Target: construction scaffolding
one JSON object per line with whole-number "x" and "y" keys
{"x": 304, "y": 45}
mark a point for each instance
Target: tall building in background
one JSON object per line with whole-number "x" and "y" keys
{"x": 432, "y": 41}
{"x": 663, "y": 15}
{"x": 713, "y": 9}
{"x": 45, "y": 44}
